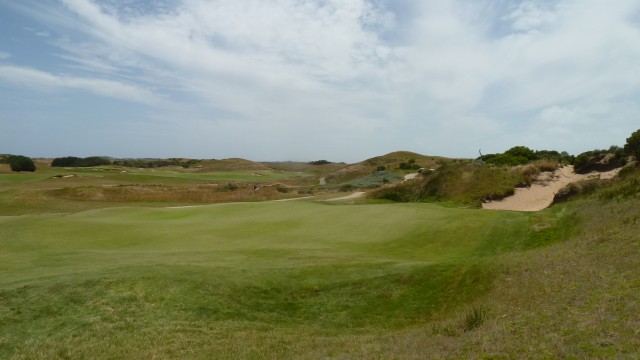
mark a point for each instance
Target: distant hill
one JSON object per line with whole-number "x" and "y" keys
{"x": 323, "y": 168}
{"x": 229, "y": 165}
{"x": 391, "y": 161}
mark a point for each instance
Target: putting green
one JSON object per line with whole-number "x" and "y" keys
{"x": 111, "y": 282}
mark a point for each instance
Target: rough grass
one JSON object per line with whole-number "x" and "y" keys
{"x": 373, "y": 180}
{"x": 74, "y": 189}
{"x": 466, "y": 183}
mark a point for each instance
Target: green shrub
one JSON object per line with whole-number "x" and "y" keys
{"x": 21, "y": 163}
{"x": 600, "y": 160}
{"x": 521, "y": 155}
{"x": 521, "y": 152}
{"x": 632, "y": 147}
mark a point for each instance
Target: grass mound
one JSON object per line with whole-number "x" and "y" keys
{"x": 466, "y": 183}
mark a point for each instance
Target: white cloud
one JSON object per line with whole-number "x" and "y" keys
{"x": 476, "y": 69}
{"x": 4, "y": 55}
{"x": 532, "y": 15}
{"x": 41, "y": 80}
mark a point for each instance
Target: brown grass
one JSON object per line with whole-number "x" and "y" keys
{"x": 170, "y": 194}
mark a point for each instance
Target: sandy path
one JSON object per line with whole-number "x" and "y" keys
{"x": 355, "y": 195}
{"x": 540, "y": 194}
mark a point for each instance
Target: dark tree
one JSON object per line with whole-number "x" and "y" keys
{"x": 632, "y": 147}
{"x": 319, "y": 162}
{"x": 21, "y": 163}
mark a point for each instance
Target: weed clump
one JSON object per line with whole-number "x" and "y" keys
{"x": 474, "y": 319}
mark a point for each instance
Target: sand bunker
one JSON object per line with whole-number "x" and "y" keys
{"x": 540, "y": 194}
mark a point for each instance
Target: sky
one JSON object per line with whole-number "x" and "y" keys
{"x": 341, "y": 80}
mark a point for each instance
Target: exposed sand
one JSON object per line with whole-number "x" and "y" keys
{"x": 355, "y": 195}
{"x": 540, "y": 194}
{"x": 410, "y": 177}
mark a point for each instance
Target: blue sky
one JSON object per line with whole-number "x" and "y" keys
{"x": 307, "y": 80}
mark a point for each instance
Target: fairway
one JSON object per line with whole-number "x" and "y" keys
{"x": 114, "y": 281}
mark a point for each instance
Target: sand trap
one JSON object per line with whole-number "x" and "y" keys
{"x": 540, "y": 194}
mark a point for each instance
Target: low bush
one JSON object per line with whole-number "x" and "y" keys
{"x": 319, "y": 162}
{"x": 600, "y": 160}
{"x": 21, "y": 163}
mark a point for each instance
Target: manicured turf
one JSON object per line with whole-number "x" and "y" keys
{"x": 144, "y": 282}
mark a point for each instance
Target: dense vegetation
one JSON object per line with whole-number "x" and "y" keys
{"x": 319, "y": 162}
{"x": 521, "y": 155}
{"x": 19, "y": 163}
{"x": 632, "y": 147}
{"x": 155, "y": 163}
{"x": 72, "y": 161}
{"x": 600, "y": 160}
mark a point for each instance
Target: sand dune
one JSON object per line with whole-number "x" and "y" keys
{"x": 540, "y": 194}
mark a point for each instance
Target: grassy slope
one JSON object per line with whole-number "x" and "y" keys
{"x": 184, "y": 282}
{"x": 391, "y": 161}
{"x": 307, "y": 280}
{"x": 465, "y": 183}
